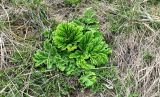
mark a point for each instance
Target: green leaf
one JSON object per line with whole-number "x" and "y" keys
{"x": 67, "y": 35}
{"x": 71, "y": 69}
{"x": 40, "y": 58}
{"x": 97, "y": 34}
{"x": 78, "y": 55}
{"x": 81, "y": 60}
{"x": 60, "y": 63}
{"x": 46, "y": 56}
{"x": 47, "y": 45}
{"x": 98, "y": 51}
{"x": 93, "y": 46}
{"x": 87, "y": 38}
{"x": 89, "y": 20}
{"x": 82, "y": 63}
{"x": 71, "y": 47}
{"x": 88, "y": 79}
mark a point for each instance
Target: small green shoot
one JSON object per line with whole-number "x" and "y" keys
{"x": 148, "y": 57}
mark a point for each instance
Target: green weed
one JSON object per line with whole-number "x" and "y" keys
{"x": 75, "y": 48}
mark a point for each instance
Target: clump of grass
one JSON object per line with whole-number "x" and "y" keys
{"x": 124, "y": 18}
{"x": 148, "y": 57}
{"x": 72, "y": 2}
{"x": 130, "y": 15}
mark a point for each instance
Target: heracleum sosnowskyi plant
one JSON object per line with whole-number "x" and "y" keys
{"x": 75, "y": 48}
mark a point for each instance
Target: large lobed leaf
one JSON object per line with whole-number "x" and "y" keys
{"x": 45, "y": 56}
{"x": 67, "y": 35}
{"x": 88, "y": 78}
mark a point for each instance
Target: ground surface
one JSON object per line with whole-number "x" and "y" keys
{"x": 131, "y": 28}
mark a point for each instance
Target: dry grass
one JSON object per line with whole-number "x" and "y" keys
{"x": 129, "y": 55}
{"x": 21, "y": 29}
{"x": 130, "y": 48}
